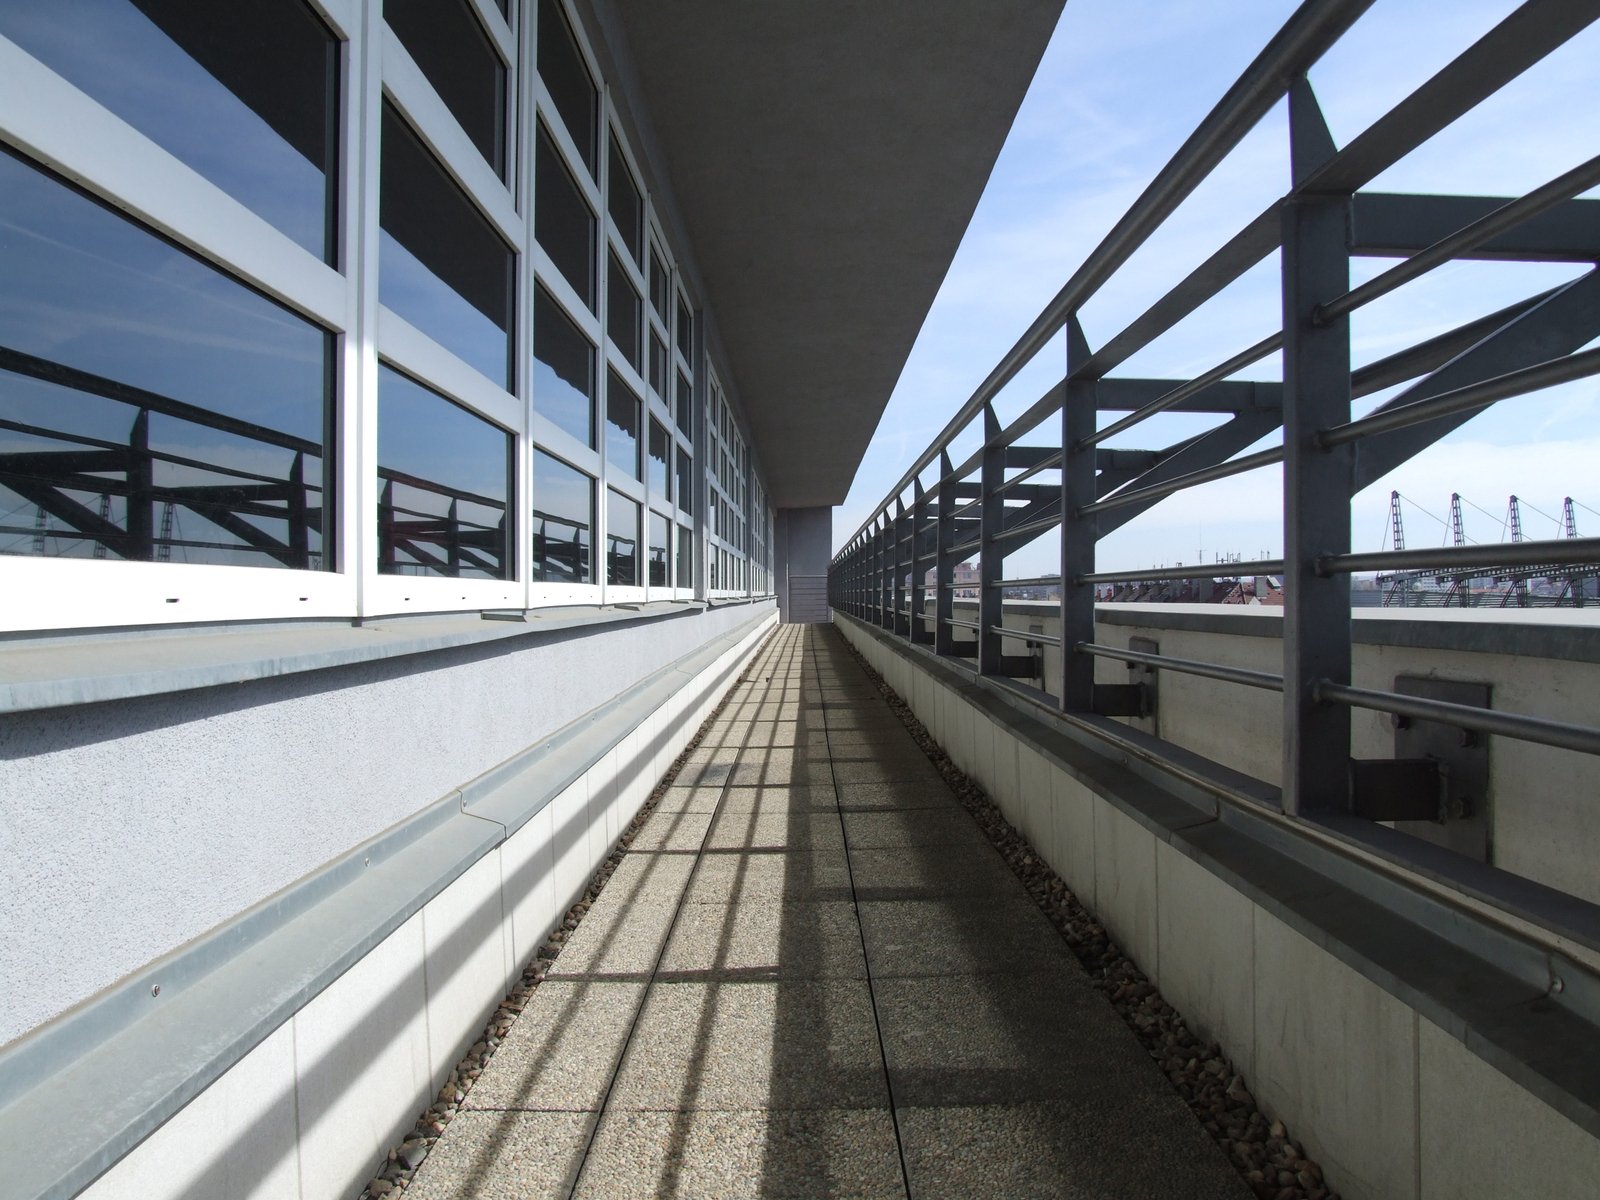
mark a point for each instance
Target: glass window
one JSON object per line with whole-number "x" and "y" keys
{"x": 454, "y": 51}
{"x": 660, "y": 286}
{"x": 563, "y": 223}
{"x": 245, "y": 93}
{"x": 151, "y": 407}
{"x": 563, "y": 521}
{"x": 622, "y": 425}
{"x": 685, "y": 332}
{"x": 660, "y": 533}
{"x": 563, "y": 369}
{"x": 623, "y": 312}
{"x": 685, "y": 484}
{"x": 443, "y": 478}
{"x": 658, "y": 365}
{"x": 568, "y": 81}
{"x": 660, "y": 460}
{"x": 441, "y": 265}
{"x": 622, "y": 540}
{"x": 625, "y": 204}
{"x": 685, "y": 405}
{"x": 685, "y": 557}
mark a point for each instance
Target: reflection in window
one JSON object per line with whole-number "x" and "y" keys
{"x": 685, "y": 408}
{"x": 563, "y": 369}
{"x": 622, "y": 540}
{"x": 563, "y": 223}
{"x": 624, "y": 317}
{"x": 443, "y": 478}
{"x": 685, "y": 557}
{"x": 660, "y": 460}
{"x": 659, "y": 550}
{"x": 245, "y": 93}
{"x": 660, "y": 286}
{"x": 453, "y": 49}
{"x": 658, "y": 365}
{"x": 563, "y": 521}
{"x": 441, "y": 265}
{"x": 622, "y": 426}
{"x": 151, "y": 407}
{"x": 568, "y": 80}
{"x": 685, "y": 486}
{"x": 625, "y": 204}
{"x": 685, "y": 332}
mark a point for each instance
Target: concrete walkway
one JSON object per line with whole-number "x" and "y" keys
{"x": 813, "y": 976}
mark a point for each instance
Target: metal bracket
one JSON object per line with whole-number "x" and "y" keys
{"x": 1146, "y": 676}
{"x": 1122, "y": 700}
{"x": 1463, "y": 821}
{"x": 1398, "y": 789}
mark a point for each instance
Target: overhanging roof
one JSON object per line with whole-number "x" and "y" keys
{"x": 827, "y": 156}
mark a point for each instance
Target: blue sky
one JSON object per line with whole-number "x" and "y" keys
{"x": 1122, "y": 83}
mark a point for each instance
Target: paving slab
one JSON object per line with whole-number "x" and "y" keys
{"x": 781, "y": 799}
{"x": 506, "y": 1156}
{"x": 756, "y": 875}
{"x": 907, "y": 829}
{"x": 902, "y": 794}
{"x": 756, "y": 939}
{"x": 777, "y": 831}
{"x": 961, "y": 934}
{"x": 563, "y": 1050}
{"x": 928, "y": 873}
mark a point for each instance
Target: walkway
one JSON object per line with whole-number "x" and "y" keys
{"x": 812, "y": 976}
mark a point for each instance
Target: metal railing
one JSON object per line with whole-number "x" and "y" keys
{"x": 992, "y": 503}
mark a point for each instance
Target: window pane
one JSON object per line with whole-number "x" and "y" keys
{"x": 685, "y": 485}
{"x": 685, "y": 405}
{"x": 622, "y": 425}
{"x": 685, "y": 557}
{"x": 622, "y": 540}
{"x": 658, "y": 365}
{"x": 441, "y": 265}
{"x": 659, "y": 532}
{"x": 623, "y": 312}
{"x": 245, "y": 93}
{"x": 443, "y": 477}
{"x": 563, "y": 369}
{"x": 660, "y": 286}
{"x": 453, "y": 49}
{"x": 625, "y": 204}
{"x": 571, "y": 87}
{"x": 563, "y": 521}
{"x": 562, "y": 221}
{"x": 151, "y": 407}
{"x": 660, "y": 457}
{"x": 685, "y": 332}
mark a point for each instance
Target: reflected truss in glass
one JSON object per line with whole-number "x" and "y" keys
{"x": 660, "y": 559}
{"x": 622, "y": 540}
{"x": 444, "y": 479}
{"x": 685, "y": 481}
{"x": 660, "y": 458}
{"x": 685, "y": 557}
{"x": 151, "y": 407}
{"x": 563, "y": 522}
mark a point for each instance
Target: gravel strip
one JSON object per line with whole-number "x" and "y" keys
{"x": 1272, "y": 1163}
{"x": 408, "y": 1156}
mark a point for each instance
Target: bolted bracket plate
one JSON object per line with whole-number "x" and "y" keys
{"x": 1121, "y": 700}
{"x": 1463, "y": 825}
{"x": 1147, "y": 677}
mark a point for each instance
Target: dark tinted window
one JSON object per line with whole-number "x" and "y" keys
{"x": 660, "y": 550}
{"x": 623, "y": 313}
{"x": 441, "y": 265}
{"x": 563, "y": 369}
{"x": 660, "y": 460}
{"x": 453, "y": 49}
{"x": 443, "y": 477}
{"x": 685, "y": 482}
{"x": 658, "y": 365}
{"x": 685, "y": 332}
{"x": 660, "y": 286}
{"x": 563, "y": 521}
{"x": 246, "y": 93}
{"x": 685, "y": 558}
{"x": 563, "y": 223}
{"x": 568, "y": 81}
{"x": 625, "y": 204}
{"x": 685, "y": 406}
{"x": 622, "y": 425}
{"x": 622, "y": 539}
{"x": 151, "y": 407}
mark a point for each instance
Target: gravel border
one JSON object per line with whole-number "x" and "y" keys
{"x": 1270, "y": 1162}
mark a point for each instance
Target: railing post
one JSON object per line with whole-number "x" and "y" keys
{"x": 885, "y": 573}
{"x": 944, "y": 563}
{"x": 919, "y": 577}
{"x": 1317, "y": 483}
{"x": 991, "y": 512}
{"x": 901, "y": 521}
{"x": 1078, "y": 532}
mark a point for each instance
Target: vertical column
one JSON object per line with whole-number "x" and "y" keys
{"x": 1079, "y": 402}
{"x": 1316, "y": 483}
{"x": 991, "y": 512}
{"x": 944, "y": 562}
{"x": 902, "y": 550}
{"x": 919, "y": 576}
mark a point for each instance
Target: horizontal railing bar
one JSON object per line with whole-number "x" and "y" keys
{"x": 1047, "y": 464}
{"x": 1037, "y": 581}
{"x": 1187, "y": 666}
{"x": 1477, "y": 395}
{"x": 1559, "y": 190}
{"x": 1044, "y": 639}
{"x": 1183, "y": 391}
{"x": 1265, "y": 566}
{"x": 1553, "y": 553}
{"x": 1237, "y": 466}
{"x": 1035, "y": 526}
{"x": 1583, "y": 738}
{"x": 1309, "y": 32}
{"x": 960, "y": 624}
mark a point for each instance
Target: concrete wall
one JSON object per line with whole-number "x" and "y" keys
{"x": 1355, "y": 1025}
{"x": 803, "y": 546}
